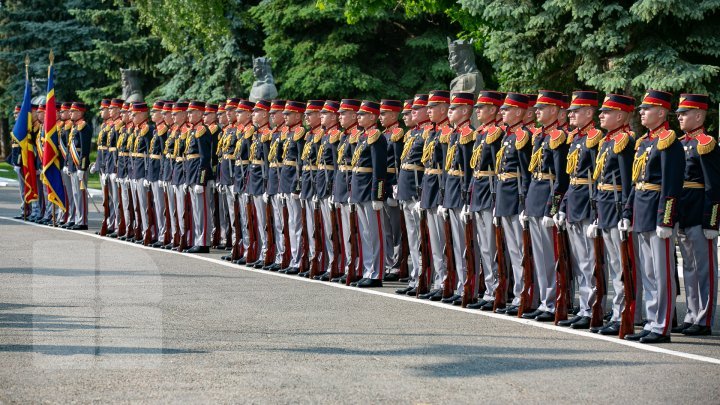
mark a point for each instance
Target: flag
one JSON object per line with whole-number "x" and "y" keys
{"x": 22, "y": 132}
{"x": 50, "y": 157}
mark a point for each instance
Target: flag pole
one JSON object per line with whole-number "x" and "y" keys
{"x": 27, "y": 77}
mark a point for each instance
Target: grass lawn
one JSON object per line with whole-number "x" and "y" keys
{"x": 7, "y": 172}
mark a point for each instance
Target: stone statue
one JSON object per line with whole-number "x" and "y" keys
{"x": 38, "y": 90}
{"x": 462, "y": 61}
{"x": 263, "y": 87}
{"x": 131, "y": 90}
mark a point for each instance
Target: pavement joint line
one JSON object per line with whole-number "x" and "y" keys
{"x": 581, "y": 333}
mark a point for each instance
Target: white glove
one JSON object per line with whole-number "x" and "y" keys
{"x": 232, "y": 188}
{"x": 66, "y": 170}
{"x": 338, "y": 205}
{"x": 81, "y": 173}
{"x": 295, "y": 196}
{"x": 559, "y": 219}
{"x": 146, "y": 183}
{"x": 348, "y": 201}
{"x": 465, "y": 214}
{"x": 199, "y": 189}
{"x": 219, "y": 187}
{"x": 391, "y": 202}
{"x": 332, "y": 200}
{"x": 93, "y": 168}
{"x": 547, "y": 222}
{"x": 394, "y": 192}
{"x": 417, "y": 207}
{"x": 102, "y": 178}
{"x": 315, "y": 199}
{"x": 442, "y": 211}
{"x": 710, "y": 233}
{"x": 592, "y": 230}
{"x": 113, "y": 176}
{"x": 266, "y": 198}
{"x": 624, "y": 225}
{"x": 523, "y": 219}
{"x": 496, "y": 221}
{"x": 377, "y": 205}
{"x": 663, "y": 232}
{"x": 185, "y": 188}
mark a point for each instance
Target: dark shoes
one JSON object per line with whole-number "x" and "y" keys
{"x": 450, "y": 299}
{"x": 431, "y": 294}
{"x": 477, "y": 305}
{"x": 653, "y": 337}
{"x": 79, "y": 228}
{"x": 681, "y": 328}
{"x": 391, "y": 277}
{"x": 199, "y": 249}
{"x": 637, "y": 336}
{"x": 532, "y": 315}
{"x": 583, "y": 323}
{"x": 697, "y": 330}
{"x": 611, "y": 329}
{"x": 403, "y": 291}
{"x": 570, "y": 321}
{"x": 546, "y": 316}
{"x": 369, "y": 283}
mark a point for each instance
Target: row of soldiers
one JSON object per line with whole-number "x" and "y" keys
{"x": 509, "y": 217}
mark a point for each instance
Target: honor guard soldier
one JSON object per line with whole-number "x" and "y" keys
{"x": 16, "y": 162}
{"x": 513, "y": 177}
{"x": 275, "y": 164}
{"x": 198, "y": 176}
{"x": 575, "y": 211}
{"x": 222, "y": 205}
{"x": 210, "y": 119}
{"x": 99, "y": 165}
{"x": 455, "y": 205}
{"x": 79, "y": 142}
{"x": 547, "y": 188}
{"x": 488, "y": 141}
{"x": 142, "y": 135}
{"x": 226, "y": 174}
{"x": 39, "y": 146}
{"x": 115, "y": 124}
{"x": 699, "y": 206}
{"x": 178, "y": 173}
{"x": 153, "y": 174}
{"x": 409, "y": 184}
{"x": 563, "y": 123}
{"x": 290, "y": 179}
{"x": 389, "y": 113}
{"x": 613, "y": 177}
{"x": 653, "y": 205}
{"x": 257, "y": 174}
{"x": 64, "y": 126}
{"x": 307, "y": 179}
{"x": 529, "y": 121}
{"x": 433, "y": 159}
{"x": 240, "y": 155}
{"x": 122, "y": 171}
{"x": 167, "y": 162}
{"x": 341, "y": 187}
{"x": 326, "y": 166}
{"x": 368, "y": 192}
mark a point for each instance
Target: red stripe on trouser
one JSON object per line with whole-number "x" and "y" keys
{"x": 668, "y": 280}
{"x": 358, "y": 241}
{"x": 711, "y": 276}
{"x": 204, "y": 219}
{"x": 342, "y": 239}
{"x": 84, "y": 219}
{"x": 322, "y": 232}
{"x": 382, "y": 242}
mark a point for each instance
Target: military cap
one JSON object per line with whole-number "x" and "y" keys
{"x": 158, "y": 105}
{"x": 390, "y": 105}
{"x": 407, "y": 106}
{"x": 420, "y": 101}
{"x": 139, "y": 107}
{"x": 369, "y": 107}
{"x": 693, "y": 102}
{"x": 565, "y": 101}
{"x": 262, "y": 105}
{"x": 104, "y": 103}
{"x": 245, "y": 105}
{"x": 462, "y": 98}
{"x": 211, "y": 108}
{"x": 294, "y": 106}
{"x": 331, "y": 106}
{"x": 618, "y": 102}
{"x": 549, "y": 97}
{"x": 277, "y": 105}
{"x": 33, "y": 107}
{"x": 438, "y": 96}
{"x": 349, "y": 104}
{"x": 116, "y": 102}
{"x": 489, "y": 97}
{"x": 231, "y": 103}
{"x": 125, "y": 106}
{"x": 41, "y": 107}
{"x": 168, "y": 106}
{"x": 583, "y": 98}
{"x": 180, "y": 106}
{"x": 196, "y": 105}
{"x": 17, "y": 108}
{"x": 221, "y": 107}
{"x": 515, "y": 100}
{"x": 656, "y": 98}
{"x": 314, "y": 105}
{"x": 78, "y": 106}
{"x": 532, "y": 100}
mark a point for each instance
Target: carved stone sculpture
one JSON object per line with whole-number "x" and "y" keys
{"x": 462, "y": 61}
{"x": 263, "y": 87}
{"x": 131, "y": 90}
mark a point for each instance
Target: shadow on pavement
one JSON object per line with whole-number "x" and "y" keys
{"x": 114, "y": 273}
{"x": 49, "y": 322}
{"x": 67, "y": 350}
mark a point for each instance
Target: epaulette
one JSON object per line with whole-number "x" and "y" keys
{"x": 161, "y": 129}
{"x": 265, "y": 134}
{"x": 184, "y": 129}
{"x": 521, "y": 138}
{"x": 144, "y": 128}
{"x": 68, "y": 125}
{"x": 557, "y": 138}
{"x": 298, "y": 133}
{"x": 317, "y": 134}
{"x": 593, "y": 137}
{"x": 373, "y": 135}
{"x": 333, "y": 135}
{"x": 249, "y": 131}
{"x": 639, "y": 141}
{"x": 426, "y": 132}
{"x": 621, "y": 139}
{"x": 80, "y": 125}
{"x": 397, "y": 134}
{"x": 493, "y": 133}
{"x": 534, "y": 130}
{"x": 666, "y": 138}
{"x": 445, "y": 132}
{"x": 213, "y": 128}
{"x": 705, "y": 143}
{"x": 407, "y": 134}
{"x": 240, "y": 127}
{"x": 571, "y": 136}
{"x": 466, "y": 135}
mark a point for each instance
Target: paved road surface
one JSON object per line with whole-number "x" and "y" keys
{"x": 88, "y": 319}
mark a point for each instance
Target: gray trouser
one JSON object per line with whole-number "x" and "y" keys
{"x": 345, "y": 234}
{"x": 391, "y": 226}
{"x": 582, "y": 257}
{"x": 70, "y": 208}
{"x": 125, "y": 194}
{"x": 457, "y": 228}
{"x": 639, "y": 296}
{"x": 307, "y": 209}
{"x": 544, "y": 260}
{"x": 49, "y": 207}
{"x": 172, "y": 209}
{"x": 261, "y": 221}
{"x": 140, "y": 200}
{"x": 230, "y": 204}
{"x": 657, "y": 262}
{"x": 158, "y": 193}
{"x": 412, "y": 225}
{"x": 437, "y": 246}
{"x": 295, "y": 225}
{"x": 224, "y": 214}
{"x": 80, "y": 197}
{"x": 112, "y": 195}
{"x": 371, "y": 237}
{"x": 485, "y": 232}
{"x": 327, "y": 211}
{"x": 611, "y": 239}
{"x": 700, "y": 273}
{"x": 513, "y": 240}
{"x": 201, "y": 215}
{"x": 279, "y": 227}
{"x": 21, "y": 184}
{"x": 180, "y": 208}
{"x": 242, "y": 206}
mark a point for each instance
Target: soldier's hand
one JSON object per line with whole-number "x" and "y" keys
{"x": 81, "y": 173}
{"x": 199, "y": 189}
{"x": 332, "y": 200}
{"x": 266, "y": 198}
{"x": 663, "y": 232}
{"x": 559, "y": 219}
{"x": 377, "y": 205}
{"x": 391, "y": 202}
{"x": 523, "y": 219}
{"x": 146, "y": 183}
{"x": 66, "y": 170}
{"x": 465, "y": 214}
{"x": 113, "y": 177}
{"x": 442, "y": 211}
{"x": 710, "y": 233}
{"x": 591, "y": 231}
{"x": 547, "y": 222}
{"x": 624, "y": 225}
{"x": 232, "y": 188}
{"x": 93, "y": 168}
{"x": 185, "y": 188}
{"x": 295, "y": 195}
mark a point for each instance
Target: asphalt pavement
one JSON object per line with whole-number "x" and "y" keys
{"x": 89, "y": 319}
